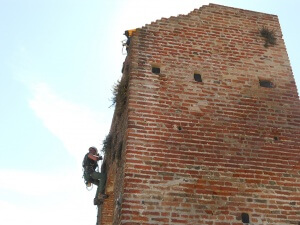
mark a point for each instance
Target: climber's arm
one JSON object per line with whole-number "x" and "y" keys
{"x": 94, "y": 157}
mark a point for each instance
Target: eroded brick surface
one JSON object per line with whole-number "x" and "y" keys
{"x": 206, "y": 152}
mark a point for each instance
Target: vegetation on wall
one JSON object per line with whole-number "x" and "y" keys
{"x": 120, "y": 147}
{"x": 120, "y": 92}
{"x": 107, "y": 143}
{"x": 269, "y": 36}
{"x": 119, "y": 100}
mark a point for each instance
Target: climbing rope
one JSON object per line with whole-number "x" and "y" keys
{"x": 87, "y": 187}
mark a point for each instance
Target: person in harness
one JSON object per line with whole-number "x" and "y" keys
{"x": 127, "y": 43}
{"x": 91, "y": 176}
{"x": 128, "y": 34}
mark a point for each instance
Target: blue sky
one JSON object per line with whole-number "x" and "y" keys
{"x": 58, "y": 62}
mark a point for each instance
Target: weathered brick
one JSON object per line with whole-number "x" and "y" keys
{"x": 206, "y": 152}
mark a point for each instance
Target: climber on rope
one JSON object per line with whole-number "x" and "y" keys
{"x": 127, "y": 43}
{"x": 91, "y": 176}
{"x": 128, "y": 34}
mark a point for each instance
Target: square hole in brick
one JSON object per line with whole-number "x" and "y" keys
{"x": 245, "y": 218}
{"x": 266, "y": 83}
{"x": 155, "y": 70}
{"x": 197, "y": 77}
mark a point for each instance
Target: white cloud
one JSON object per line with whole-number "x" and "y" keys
{"x": 45, "y": 199}
{"x": 76, "y": 126}
{"x": 67, "y": 213}
{"x": 36, "y": 183}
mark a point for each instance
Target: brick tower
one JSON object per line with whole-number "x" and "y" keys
{"x": 206, "y": 128}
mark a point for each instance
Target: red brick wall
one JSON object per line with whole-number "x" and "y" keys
{"x": 203, "y": 153}
{"x": 107, "y": 209}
